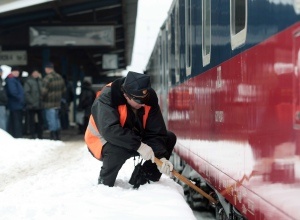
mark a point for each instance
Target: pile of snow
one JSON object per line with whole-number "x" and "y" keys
{"x": 43, "y": 179}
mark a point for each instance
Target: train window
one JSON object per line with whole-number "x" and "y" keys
{"x": 165, "y": 58}
{"x": 188, "y": 36}
{"x": 177, "y": 44}
{"x": 170, "y": 51}
{"x": 238, "y": 22}
{"x": 206, "y": 31}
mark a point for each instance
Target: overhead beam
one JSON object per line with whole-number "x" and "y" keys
{"x": 10, "y": 5}
{"x": 96, "y": 9}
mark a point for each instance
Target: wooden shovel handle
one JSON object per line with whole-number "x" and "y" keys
{"x": 188, "y": 182}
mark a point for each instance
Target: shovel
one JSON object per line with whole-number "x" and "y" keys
{"x": 188, "y": 182}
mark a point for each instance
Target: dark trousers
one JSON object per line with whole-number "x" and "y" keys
{"x": 82, "y": 128}
{"x": 64, "y": 120}
{"x": 36, "y": 128}
{"x": 114, "y": 157}
{"x": 15, "y": 124}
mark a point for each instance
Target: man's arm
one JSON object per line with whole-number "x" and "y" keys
{"x": 28, "y": 96}
{"x": 45, "y": 83}
{"x": 155, "y": 131}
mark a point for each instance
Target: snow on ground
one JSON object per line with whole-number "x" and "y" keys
{"x": 43, "y": 179}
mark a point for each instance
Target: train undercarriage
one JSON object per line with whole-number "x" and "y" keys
{"x": 223, "y": 210}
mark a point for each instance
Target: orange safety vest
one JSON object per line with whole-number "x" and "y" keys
{"x": 93, "y": 138}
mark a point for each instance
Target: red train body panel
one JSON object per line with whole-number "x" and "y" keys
{"x": 255, "y": 117}
{"x": 238, "y": 119}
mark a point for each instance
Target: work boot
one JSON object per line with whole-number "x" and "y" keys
{"x": 40, "y": 135}
{"x": 52, "y": 135}
{"x": 57, "y": 135}
{"x": 100, "y": 180}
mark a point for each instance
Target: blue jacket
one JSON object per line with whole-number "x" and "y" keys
{"x": 3, "y": 96}
{"x": 15, "y": 93}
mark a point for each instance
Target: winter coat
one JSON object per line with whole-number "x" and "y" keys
{"x": 15, "y": 93}
{"x": 3, "y": 96}
{"x": 53, "y": 87}
{"x": 86, "y": 99}
{"x": 117, "y": 124}
{"x": 33, "y": 96}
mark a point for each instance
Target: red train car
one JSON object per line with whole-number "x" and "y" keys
{"x": 227, "y": 73}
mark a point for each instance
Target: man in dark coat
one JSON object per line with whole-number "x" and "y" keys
{"x": 3, "y": 102}
{"x": 16, "y": 101}
{"x": 33, "y": 97}
{"x": 129, "y": 123}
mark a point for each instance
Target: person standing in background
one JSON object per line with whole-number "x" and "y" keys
{"x": 65, "y": 104}
{"x": 3, "y": 102}
{"x": 86, "y": 100}
{"x": 53, "y": 88}
{"x": 15, "y": 105}
{"x": 33, "y": 98}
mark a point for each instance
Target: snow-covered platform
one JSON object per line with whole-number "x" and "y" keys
{"x": 43, "y": 179}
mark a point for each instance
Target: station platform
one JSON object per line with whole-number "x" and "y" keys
{"x": 66, "y": 135}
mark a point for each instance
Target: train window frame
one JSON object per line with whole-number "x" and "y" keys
{"x": 164, "y": 55}
{"x": 188, "y": 37}
{"x": 177, "y": 43}
{"x": 206, "y": 32}
{"x": 238, "y": 38}
{"x": 169, "y": 50}
{"x": 161, "y": 61}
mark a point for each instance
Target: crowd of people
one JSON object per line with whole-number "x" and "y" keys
{"x": 122, "y": 120}
{"x": 37, "y": 103}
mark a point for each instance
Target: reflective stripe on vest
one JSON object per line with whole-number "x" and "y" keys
{"x": 93, "y": 138}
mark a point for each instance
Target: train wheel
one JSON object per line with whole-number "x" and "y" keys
{"x": 220, "y": 214}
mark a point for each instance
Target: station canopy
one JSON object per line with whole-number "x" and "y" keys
{"x": 83, "y": 38}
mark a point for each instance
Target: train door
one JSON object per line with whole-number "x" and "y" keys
{"x": 177, "y": 43}
{"x": 165, "y": 73}
{"x": 296, "y": 89}
{"x": 188, "y": 37}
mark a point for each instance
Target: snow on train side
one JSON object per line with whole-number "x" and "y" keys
{"x": 227, "y": 73}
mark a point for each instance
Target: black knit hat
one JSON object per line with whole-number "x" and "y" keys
{"x": 15, "y": 68}
{"x": 49, "y": 65}
{"x": 136, "y": 86}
